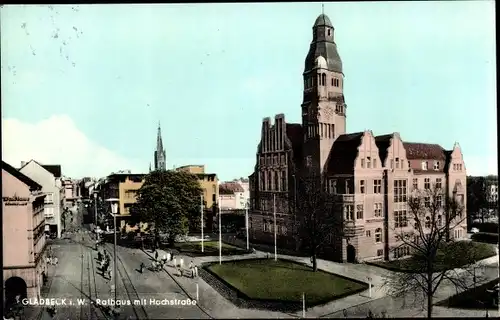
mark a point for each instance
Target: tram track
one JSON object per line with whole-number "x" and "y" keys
{"x": 131, "y": 291}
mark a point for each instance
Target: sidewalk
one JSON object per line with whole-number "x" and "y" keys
{"x": 218, "y": 307}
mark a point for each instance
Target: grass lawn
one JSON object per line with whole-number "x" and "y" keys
{"x": 477, "y": 298}
{"x": 454, "y": 255}
{"x": 267, "y": 279}
{"x": 210, "y": 248}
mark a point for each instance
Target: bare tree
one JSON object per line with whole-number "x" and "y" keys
{"x": 425, "y": 234}
{"x": 316, "y": 219}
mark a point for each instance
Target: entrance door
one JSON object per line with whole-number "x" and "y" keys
{"x": 15, "y": 287}
{"x": 351, "y": 253}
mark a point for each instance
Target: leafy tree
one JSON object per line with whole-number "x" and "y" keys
{"x": 477, "y": 197}
{"x": 316, "y": 213}
{"x": 433, "y": 257}
{"x": 169, "y": 201}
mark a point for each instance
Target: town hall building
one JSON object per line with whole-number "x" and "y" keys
{"x": 373, "y": 175}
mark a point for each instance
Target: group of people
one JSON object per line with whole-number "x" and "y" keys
{"x": 158, "y": 264}
{"x": 104, "y": 259}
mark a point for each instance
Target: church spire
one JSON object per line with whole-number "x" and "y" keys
{"x": 160, "y": 158}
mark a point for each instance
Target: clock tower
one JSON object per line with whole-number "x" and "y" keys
{"x": 323, "y": 106}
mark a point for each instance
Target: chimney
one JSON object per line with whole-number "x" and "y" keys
{"x": 23, "y": 163}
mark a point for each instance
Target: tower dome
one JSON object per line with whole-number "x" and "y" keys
{"x": 321, "y": 63}
{"x": 323, "y": 20}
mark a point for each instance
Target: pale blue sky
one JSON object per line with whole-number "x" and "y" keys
{"x": 211, "y": 72}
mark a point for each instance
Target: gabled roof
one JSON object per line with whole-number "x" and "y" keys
{"x": 55, "y": 169}
{"x": 21, "y": 177}
{"x": 424, "y": 151}
{"x": 295, "y": 133}
{"x": 344, "y": 152}
{"x": 383, "y": 142}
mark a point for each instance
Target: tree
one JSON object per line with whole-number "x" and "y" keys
{"x": 434, "y": 259}
{"x": 477, "y": 197}
{"x": 316, "y": 215}
{"x": 169, "y": 201}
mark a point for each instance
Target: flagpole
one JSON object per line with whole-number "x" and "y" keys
{"x": 246, "y": 223}
{"x": 201, "y": 212}
{"x": 275, "y": 246}
{"x": 220, "y": 235}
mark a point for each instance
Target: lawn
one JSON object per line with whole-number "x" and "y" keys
{"x": 477, "y": 298}
{"x": 211, "y": 248}
{"x": 451, "y": 256}
{"x": 266, "y": 279}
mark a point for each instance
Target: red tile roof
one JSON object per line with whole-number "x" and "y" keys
{"x": 424, "y": 151}
{"x": 343, "y": 153}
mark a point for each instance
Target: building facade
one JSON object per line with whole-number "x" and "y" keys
{"x": 369, "y": 175}
{"x": 124, "y": 187}
{"x": 49, "y": 177}
{"x": 232, "y": 196}
{"x": 72, "y": 192}
{"x": 23, "y": 235}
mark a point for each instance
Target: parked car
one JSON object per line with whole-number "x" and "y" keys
{"x": 474, "y": 230}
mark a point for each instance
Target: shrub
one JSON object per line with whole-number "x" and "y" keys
{"x": 485, "y": 237}
{"x": 488, "y": 227}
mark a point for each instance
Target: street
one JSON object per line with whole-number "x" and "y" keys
{"x": 77, "y": 277}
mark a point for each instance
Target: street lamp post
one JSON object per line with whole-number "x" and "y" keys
{"x": 295, "y": 210}
{"x": 246, "y": 223}
{"x": 95, "y": 215}
{"x": 220, "y": 234}
{"x": 114, "y": 212}
{"x": 201, "y": 212}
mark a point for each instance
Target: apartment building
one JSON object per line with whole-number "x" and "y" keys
{"x": 232, "y": 196}
{"x": 208, "y": 182}
{"x": 23, "y": 235}
{"x": 371, "y": 176}
{"x": 72, "y": 192}
{"x": 124, "y": 187}
{"x": 49, "y": 177}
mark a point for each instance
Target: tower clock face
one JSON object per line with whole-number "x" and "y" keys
{"x": 328, "y": 112}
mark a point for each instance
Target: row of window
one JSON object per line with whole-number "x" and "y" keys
{"x": 272, "y": 139}
{"x": 457, "y": 167}
{"x": 49, "y": 197}
{"x": 272, "y": 160}
{"x": 323, "y": 130}
{"x": 349, "y": 211}
{"x": 269, "y": 227}
{"x": 321, "y": 80}
{"x": 400, "y": 187}
{"x": 273, "y": 180}
{"x": 269, "y": 205}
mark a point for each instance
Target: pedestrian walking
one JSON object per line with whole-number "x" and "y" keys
{"x": 156, "y": 255}
{"x": 169, "y": 256}
{"x": 181, "y": 262}
{"x": 164, "y": 258}
{"x": 175, "y": 262}
{"x": 56, "y": 261}
{"x": 191, "y": 269}
{"x": 141, "y": 268}
{"x": 196, "y": 271}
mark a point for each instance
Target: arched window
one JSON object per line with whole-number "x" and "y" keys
{"x": 378, "y": 235}
{"x": 276, "y": 181}
{"x": 332, "y": 81}
{"x": 323, "y": 79}
{"x": 319, "y": 79}
{"x": 329, "y": 32}
{"x": 269, "y": 180}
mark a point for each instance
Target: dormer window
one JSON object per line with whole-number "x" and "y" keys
{"x": 397, "y": 163}
{"x": 436, "y": 165}
{"x": 424, "y": 165}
